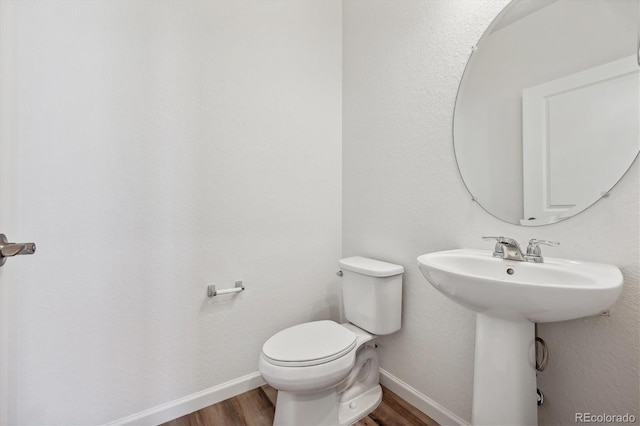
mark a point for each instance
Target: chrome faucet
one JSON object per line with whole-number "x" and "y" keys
{"x": 506, "y": 248}
{"x": 509, "y": 249}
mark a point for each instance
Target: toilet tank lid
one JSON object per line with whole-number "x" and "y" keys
{"x": 370, "y": 267}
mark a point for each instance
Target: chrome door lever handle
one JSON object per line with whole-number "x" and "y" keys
{"x": 12, "y": 249}
{"x": 8, "y": 249}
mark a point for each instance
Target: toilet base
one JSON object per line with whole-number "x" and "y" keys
{"x": 323, "y": 409}
{"x": 319, "y": 408}
{"x": 363, "y": 405}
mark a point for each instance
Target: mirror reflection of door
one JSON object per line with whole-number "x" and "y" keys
{"x": 577, "y": 132}
{"x": 590, "y": 137}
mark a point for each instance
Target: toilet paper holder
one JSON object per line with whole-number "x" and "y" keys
{"x": 212, "y": 292}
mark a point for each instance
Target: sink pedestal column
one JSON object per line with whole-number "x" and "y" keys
{"x": 504, "y": 382}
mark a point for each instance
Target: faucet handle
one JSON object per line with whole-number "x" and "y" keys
{"x": 498, "y": 250}
{"x": 534, "y": 254}
{"x": 533, "y": 243}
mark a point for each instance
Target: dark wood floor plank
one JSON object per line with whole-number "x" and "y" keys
{"x": 256, "y": 407}
{"x": 225, "y": 413}
{"x": 367, "y": 421}
{"x": 271, "y": 393}
{"x": 188, "y": 420}
{"x": 406, "y": 410}
{"x": 390, "y": 413}
{"x": 386, "y": 416}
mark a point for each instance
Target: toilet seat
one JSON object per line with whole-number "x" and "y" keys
{"x": 309, "y": 344}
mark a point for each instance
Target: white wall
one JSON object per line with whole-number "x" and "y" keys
{"x": 403, "y": 197}
{"x": 164, "y": 146}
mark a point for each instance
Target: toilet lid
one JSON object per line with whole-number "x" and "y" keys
{"x": 310, "y": 343}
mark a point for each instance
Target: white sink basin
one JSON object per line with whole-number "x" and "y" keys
{"x": 508, "y": 297}
{"x": 555, "y": 290}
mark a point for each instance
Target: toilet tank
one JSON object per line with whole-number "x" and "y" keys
{"x": 372, "y": 294}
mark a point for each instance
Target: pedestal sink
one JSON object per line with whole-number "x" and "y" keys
{"x": 509, "y": 296}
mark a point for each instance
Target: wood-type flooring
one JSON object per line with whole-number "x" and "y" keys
{"x": 257, "y": 407}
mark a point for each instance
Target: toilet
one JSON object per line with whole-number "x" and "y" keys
{"x": 327, "y": 373}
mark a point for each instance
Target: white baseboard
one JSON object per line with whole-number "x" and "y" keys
{"x": 190, "y": 403}
{"x": 196, "y": 401}
{"x": 419, "y": 400}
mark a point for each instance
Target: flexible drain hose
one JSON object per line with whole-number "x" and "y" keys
{"x": 540, "y": 366}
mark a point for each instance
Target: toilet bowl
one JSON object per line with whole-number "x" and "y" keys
{"x": 332, "y": 379}
{"x": 327, "y": 373}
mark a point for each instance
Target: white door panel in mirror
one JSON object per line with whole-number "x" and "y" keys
{"x": 580, "y": 133}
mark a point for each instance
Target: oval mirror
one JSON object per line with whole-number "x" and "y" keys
{"x": 546, "y": 120}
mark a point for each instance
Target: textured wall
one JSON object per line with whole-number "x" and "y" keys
{"x": 164, "y": 146}
{"x": 403, "y": 197}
